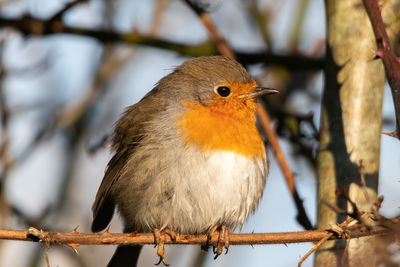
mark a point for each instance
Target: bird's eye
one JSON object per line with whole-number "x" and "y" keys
{"x": 223, "y": 91}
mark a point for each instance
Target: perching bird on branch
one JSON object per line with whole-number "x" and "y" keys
{"x": 188, "y": 157}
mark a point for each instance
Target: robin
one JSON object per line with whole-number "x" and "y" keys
{"x": 188, "y": 157}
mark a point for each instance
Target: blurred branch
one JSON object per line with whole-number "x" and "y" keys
{"x": 161, "y": 6}
{"x": 74, "y": 118}
{"x": 389, "y": 59}
{"x": 297, "y": 30}
{"x": 262, "y": 18}
{"x": 208, "y": 23}
{"x": 5, "y": 138}
{"x": 291, "y": 62}
{"x": 110, "y": 65}
{"x": 5, "y": 159}
{"x": 263, "y": 115}
{"x": 63, "y": 118}
{"x": 66, "y": 8}
{"x": 25, "y": 219}
{"x": 71, "y": 120}
{"x": 33, "y": 26}
{"x": 8, "y": 161}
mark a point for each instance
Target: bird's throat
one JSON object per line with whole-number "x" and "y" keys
{"x": 221, "y": 127}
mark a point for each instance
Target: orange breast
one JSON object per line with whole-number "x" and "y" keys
{"x": 223, "y": 125}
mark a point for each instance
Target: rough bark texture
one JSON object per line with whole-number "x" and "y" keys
{"x": 350, "y": 125}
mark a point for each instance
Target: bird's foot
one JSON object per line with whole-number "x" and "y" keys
{"x": 159, "y": 240}
{"x": 222, "y": 242}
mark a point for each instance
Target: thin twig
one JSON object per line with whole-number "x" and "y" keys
{"x": 46, "y": 254}
{"x": 314, "y": 248}
{"x": 326, "y": 238}
{"x": 334, "y": 207}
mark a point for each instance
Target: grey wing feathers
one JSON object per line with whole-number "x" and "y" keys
{"x": 103, "y": 207}
{"x": 128, "y": 133}
{"x": 126, "y": 136}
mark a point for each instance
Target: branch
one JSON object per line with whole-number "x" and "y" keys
{"x": 106, "y": 238}
{"x": 386, "y": 53}
{"x": 33, "y": 26}
{"x": 265, "y": 121}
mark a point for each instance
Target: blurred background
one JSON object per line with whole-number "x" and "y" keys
{"x": 63, "y": 87}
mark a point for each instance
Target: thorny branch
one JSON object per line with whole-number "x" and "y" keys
{"x": 389, "y": 59}
{"x": 367, "y": 219}
{"x": 75, "y": 239}
{"x": 265, "y": 121}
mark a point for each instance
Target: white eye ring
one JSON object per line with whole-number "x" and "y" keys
{"x": 223, "y": 91}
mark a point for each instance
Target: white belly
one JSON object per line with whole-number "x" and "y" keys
{"x": 194, "y": 193}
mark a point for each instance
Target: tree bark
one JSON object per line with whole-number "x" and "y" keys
{"x": 350, "y": 126}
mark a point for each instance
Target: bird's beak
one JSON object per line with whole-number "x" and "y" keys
{"x": 259, "y": 91}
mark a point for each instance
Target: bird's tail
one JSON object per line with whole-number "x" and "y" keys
{"x": 125, "y": 256}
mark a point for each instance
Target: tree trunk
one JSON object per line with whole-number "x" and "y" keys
{"x": 350, "y": 126}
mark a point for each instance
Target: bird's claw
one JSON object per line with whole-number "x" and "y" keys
{"x": 159, "y": 240}
{"x": 223, "y": 240}
{"x": 163, "y": 262}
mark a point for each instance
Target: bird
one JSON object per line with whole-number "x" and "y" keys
{"x": 188, "y": 157}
